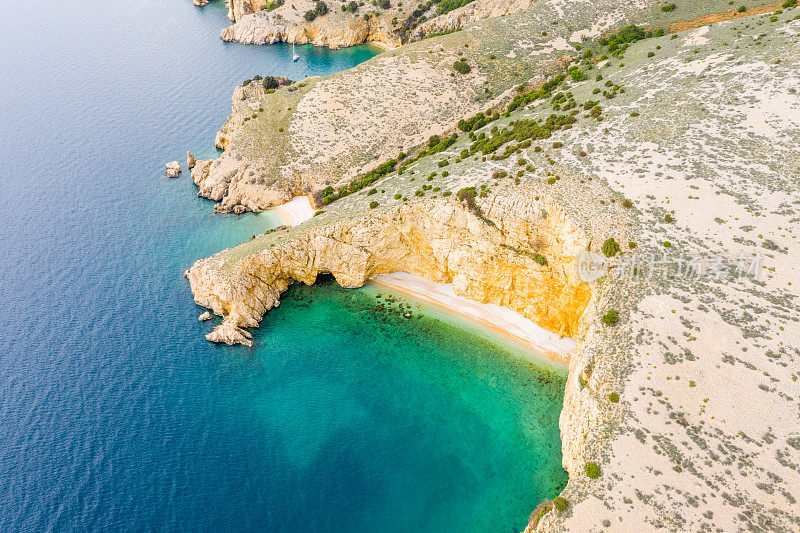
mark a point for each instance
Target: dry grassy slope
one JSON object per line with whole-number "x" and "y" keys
{"x": 337, "y": 127}
{"x": 705, "y": 436}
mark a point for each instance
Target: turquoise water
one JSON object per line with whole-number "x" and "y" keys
{"x": 116, "y": 414}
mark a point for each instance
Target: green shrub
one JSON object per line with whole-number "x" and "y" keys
{"x": 446, "y": 6}
{"x": 789, "y": 3}
{"x": 613, "y": 397}
{"x": 320, "y": 9}
{"x": 611, "y": 317}
{"x": 321, "y": 211}
{"x": 610, "y": 247}
{"x": 269, "y": 6}
{"x": 477, "y": 122}
{"x": 352, "y": 7}
{"x": 373, "y": 204}
{"x": 593, "y": 470}
{"x": 385, "y": 4}
{"x": 545, "y": 92}
{"x": 742, "y": 9}
{"x": 560, "y": 503}
{"x": 329, "y": 195}
{"x": 669, "y": 7}
{"x": 371, "y": 192}
{"x": 577, "y": 74}
{"x": 398, "y": 196}
{"x": 467, "y": 197}
{"x": 461, "y": 66}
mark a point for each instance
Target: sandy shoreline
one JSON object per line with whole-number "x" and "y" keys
{"x": 506, "y": 322}
{"x": 295, "y": 211}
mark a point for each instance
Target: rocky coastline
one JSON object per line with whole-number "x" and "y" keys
{"x": 260, "y": 22}
{"x": 678, "y": 410}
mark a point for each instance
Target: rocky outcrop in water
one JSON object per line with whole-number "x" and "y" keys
{"x": 190, "y": 160}
{"x": 173, "y": 169}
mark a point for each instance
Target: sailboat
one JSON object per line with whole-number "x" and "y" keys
{"x": 295, "y": 57}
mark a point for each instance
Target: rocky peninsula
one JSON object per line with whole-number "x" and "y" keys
{"x": 629, "y": 186}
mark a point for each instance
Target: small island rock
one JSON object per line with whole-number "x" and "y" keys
{"x": 173, "y": 169}
{"x": 205, "y": 316}
{"x": 190, "y": 160}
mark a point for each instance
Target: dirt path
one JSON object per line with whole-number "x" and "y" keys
{"x": 721, "y": 17}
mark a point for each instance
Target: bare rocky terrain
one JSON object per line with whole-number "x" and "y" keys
{"x": 673, "y": 158}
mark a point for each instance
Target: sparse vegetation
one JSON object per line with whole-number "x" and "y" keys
{"x": 461, "y": 66}
{"x": 560, "y": 503}
{"x": 270, "y": 6}
{"x": 321, "y": 8}
{"x": 611, "y": 317}
{"x": 610, "y": 247}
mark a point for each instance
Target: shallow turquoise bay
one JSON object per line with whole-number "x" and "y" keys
{"x": 116, "y": 414}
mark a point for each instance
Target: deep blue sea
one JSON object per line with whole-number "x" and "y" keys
{"x": 117, "y": 415}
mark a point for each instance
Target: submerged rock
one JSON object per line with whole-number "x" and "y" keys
{"x": 200, "y": 2}
{"x": 173, "y": 169}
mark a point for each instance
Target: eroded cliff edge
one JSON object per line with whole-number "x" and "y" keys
{"x": 388, "y": 24}
{"x": 688, "y": 403}
{"x": 439, "y": 240}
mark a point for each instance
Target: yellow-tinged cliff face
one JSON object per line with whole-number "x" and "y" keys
{"x": 439, "y": 240}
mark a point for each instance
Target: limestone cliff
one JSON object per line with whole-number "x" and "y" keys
{"x": 439, "y": 240}
{"x": 239, "y": 8}
{"x": 341, "y": 29}
{"x": 333, "y": 31}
